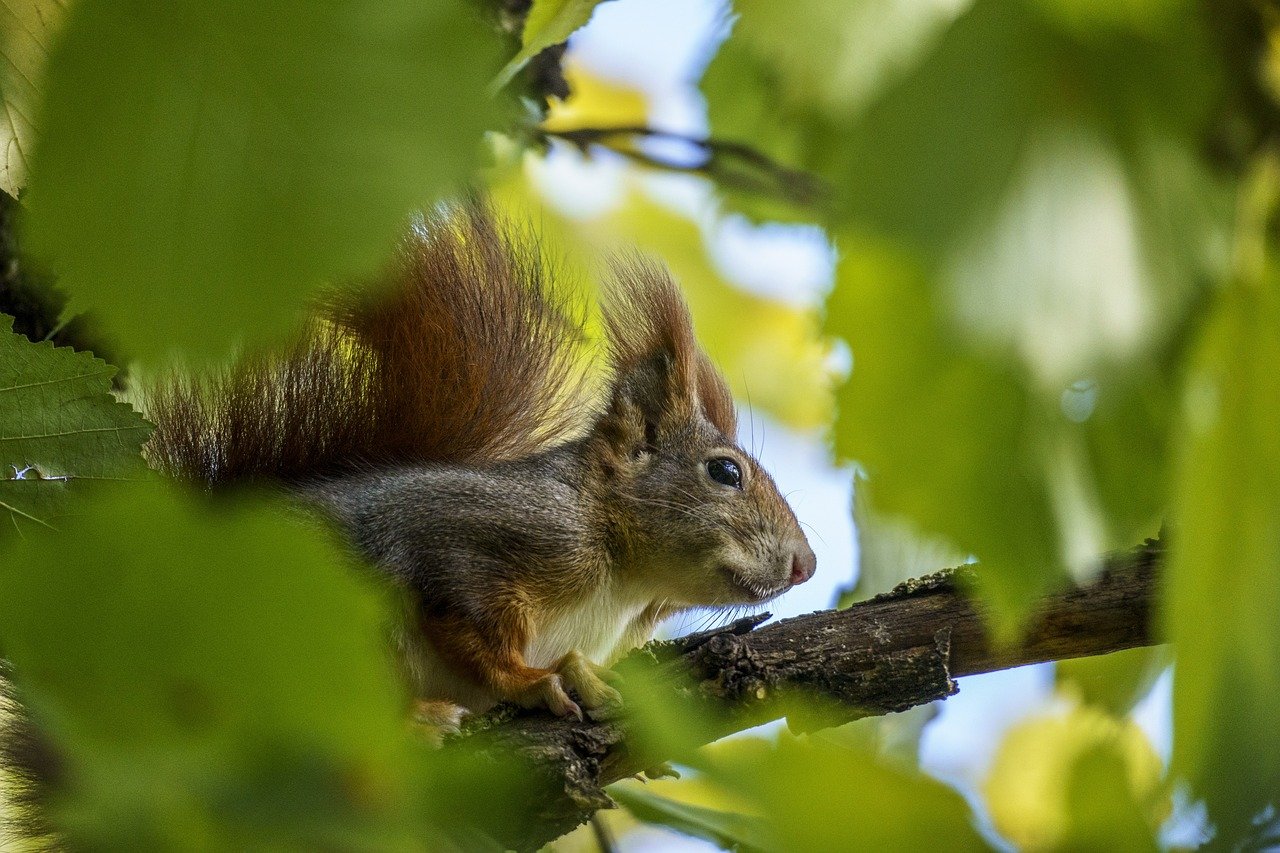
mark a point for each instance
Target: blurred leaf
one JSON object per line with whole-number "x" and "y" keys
{"x": 26, "y": 29}
{"x": 955, "y": 436}
{"x": 946, "y": 435}
{"x": 203, "y": 165}
{"x": 548, "y": 22}
{"x": 834, "y": 57}
{"x": 893, "y": 738}
{"x": 890, "y": 550}
{"x": 1039, "y": 189}
{"x": 1222, "y": 594}
{"x": 1113, "y": 683}
{"x": 1079, "y": 780}
{"x": 208, "y": 674}
{"x": 1050, "y": 179}
{"x": 1102, "y": 815}
{"x": 944, "y": 113}
{"x": 59, "y": 425}
{"x": 1098, "y": 16}
{"x": 820, "y": 796}
{"x": 1059, "y": 270}
{"x": 728, "y": 830}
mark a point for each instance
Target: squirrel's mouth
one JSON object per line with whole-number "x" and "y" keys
{"x": 753, "y": 591}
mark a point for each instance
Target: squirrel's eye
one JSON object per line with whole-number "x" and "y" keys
{"x": 725, "y": 472}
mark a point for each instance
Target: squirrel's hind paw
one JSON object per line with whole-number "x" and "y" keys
{"x": 588, "y": 680}
{"x": 549, "y": 692}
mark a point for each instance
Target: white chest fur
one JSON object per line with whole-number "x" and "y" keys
{"x": 593, "y": 626}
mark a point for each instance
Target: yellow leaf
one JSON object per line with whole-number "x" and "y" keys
{"x": 1034, "y": 792}
{"x": 596, "y": 102}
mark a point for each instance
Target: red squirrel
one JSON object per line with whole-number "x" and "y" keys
{"x": 443, "y": 423}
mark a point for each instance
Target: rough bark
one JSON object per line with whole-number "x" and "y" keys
{"x": 895, "y": 651}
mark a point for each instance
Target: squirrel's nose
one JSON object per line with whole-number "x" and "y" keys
{"x": 803, "y": 563}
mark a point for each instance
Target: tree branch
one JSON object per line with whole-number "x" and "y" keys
{"x": 731, "y": 164}
{"x": 895, "y": 651}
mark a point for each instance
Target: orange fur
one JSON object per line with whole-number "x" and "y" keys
{"x": 465, "y": 354}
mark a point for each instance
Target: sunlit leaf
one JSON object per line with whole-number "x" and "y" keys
{"x": 60, "y": 428}
{"x": 822, "y": 796}
{"x": 1077, "y": 780}
{"x": 548, "y": 22}
{"x": 26, "y": 29}
{"x": 1223, "y": 595}
{"x": 957, "y": 437}
{"x": 204, "y": 165}
{"x": 729, "y": 830}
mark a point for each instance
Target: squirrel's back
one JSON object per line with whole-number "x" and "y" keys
{"x": 467, "y": 353}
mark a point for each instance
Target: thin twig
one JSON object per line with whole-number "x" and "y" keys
{"x": 727, "y": 162}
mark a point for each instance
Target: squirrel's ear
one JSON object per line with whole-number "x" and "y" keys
{"x": 661, "y": 378}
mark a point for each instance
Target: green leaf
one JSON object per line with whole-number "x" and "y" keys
{"x": 26, "y": 29}
{"x": 924, "y": 120}
{"x": 729, "y": 830}
{"x": 891, "y": 738}
{"x": 890, "y": 549}
{"x": 59, "y": 428}
{"x": 821, "y": 796}
{"x": 204, "y": 165}
{"x": 1222, "y": 591}
{"x": 1114, "y": 682}
{"x": 955, "y": 436}
{"x": 1050, "y": 178}
{"x": 834, "y": 55}
{"x": 1104, "y": 813}
{"x": 548, "y": 23}
{"x": 946, "y": 434}
{"x": 209, "y": 672}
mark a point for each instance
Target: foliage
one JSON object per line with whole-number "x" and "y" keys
{"x": 59, "y": 428}
{"x": 1112, "y": 794}
{"x": 1224, "y": 574}
{"x": 203, "y": 166}
{"x": 265, "y": 679}
{"x": 791, "y": 780}
{"x": 548, "y": 23}
{"x": 27, "y": 29}
{"x": 1056, "y": 276}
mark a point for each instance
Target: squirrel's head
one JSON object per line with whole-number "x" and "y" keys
{"x": 709, "y": 520}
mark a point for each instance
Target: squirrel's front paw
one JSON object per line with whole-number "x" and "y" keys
{"x": 588, "y": 680}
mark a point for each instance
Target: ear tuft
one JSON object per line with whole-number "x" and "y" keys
{"x": 657, "y": 365}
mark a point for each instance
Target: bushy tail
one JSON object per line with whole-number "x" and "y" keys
{"x": 29, "y": 770}
{"x": 467, "y": 353}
